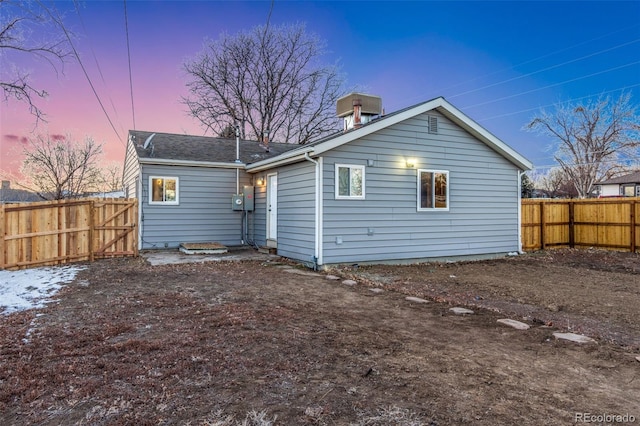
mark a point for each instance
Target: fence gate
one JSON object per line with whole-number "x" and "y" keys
{"x": 114, "y": 230}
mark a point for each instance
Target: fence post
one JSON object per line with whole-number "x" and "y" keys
{"x": 572, "y": 241}
{"x": 2, "y": 238}
{"x": 632, "y": 221}
{"x": 542, "y": 226}
{"x": 92, "y": 225}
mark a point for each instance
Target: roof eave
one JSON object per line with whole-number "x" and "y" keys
{"x": 189, "y": 163}
{"x": 280, "y": 160}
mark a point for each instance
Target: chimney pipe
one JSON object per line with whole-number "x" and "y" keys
{"x": 357, "y": 111}
{"x": 265, "y": 139}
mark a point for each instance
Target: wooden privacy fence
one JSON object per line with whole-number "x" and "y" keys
{"x": 55, "y": 232}
{"x": 604, "y": 223}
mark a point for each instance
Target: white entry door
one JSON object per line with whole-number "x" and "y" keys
{"x": 272, "y": 208}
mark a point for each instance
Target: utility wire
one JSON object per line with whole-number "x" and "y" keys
{"x": 93, "y": 53}
{"x": 545, "y": 69}
{"x": 555, "y": 84}
{"x": 565, "y": 101}
{"x": 126, "y": 25}
{"x": 58, "y": 21}
{"x": 536, "y": 59}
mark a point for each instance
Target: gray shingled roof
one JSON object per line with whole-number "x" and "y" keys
{"x": 170, "y": 146}
{"x": 630, "y": 178}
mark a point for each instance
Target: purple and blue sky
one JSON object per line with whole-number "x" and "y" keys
{"x": 499, "y": 62}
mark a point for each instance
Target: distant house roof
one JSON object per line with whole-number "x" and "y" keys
{"x": 203, "y": 149}
{"x": 629, "y": 178}
{"x": 10, "y": 195}
{"x": 439, "y": 104}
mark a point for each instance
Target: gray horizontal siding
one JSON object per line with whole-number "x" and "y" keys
{"x": 204, "y": 213}
{"x": 259, "y": 216}
{"x": 296, "y": 211}
{"x": 483, "y": 199}
{"x": 130, "y": 172}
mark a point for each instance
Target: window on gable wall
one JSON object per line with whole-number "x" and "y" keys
{"x": 163, "y": 190}
{"x": 433, "y": 190}
{"x": 349, "y": 181}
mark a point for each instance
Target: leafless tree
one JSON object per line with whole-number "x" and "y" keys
{"x": 56, "y": 167}
{"x": 555, "y": 183}
{"x": 594, "y": 138}
{"x": 269, "y": 79}
{"x": 112, "y": 177}
{"x": 29, "y": 28}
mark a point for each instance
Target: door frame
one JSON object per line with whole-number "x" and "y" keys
{"x": 272, "y": 210}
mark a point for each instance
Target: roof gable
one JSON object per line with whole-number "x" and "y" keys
{"x": 438, "y": 104}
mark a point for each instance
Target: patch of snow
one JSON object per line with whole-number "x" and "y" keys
{"x": 32, "y": 288}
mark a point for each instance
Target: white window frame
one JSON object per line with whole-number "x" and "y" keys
{"x": 163, "y": 202}
{"x": 337, "y": 183}
{"x": 419, "y": 191}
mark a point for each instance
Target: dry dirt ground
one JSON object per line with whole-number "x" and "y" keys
{"x": 268, "y": 342}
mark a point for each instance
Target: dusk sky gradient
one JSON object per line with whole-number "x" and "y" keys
{"x": 499, "y": 62}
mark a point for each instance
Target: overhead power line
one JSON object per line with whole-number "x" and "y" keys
{"x": 567, "y": 100}
{"x": 546, "y": 69}
{"x": 555, "y": 84}
{"x": 58, "y": 21}
{"x": 99, "y": 68}
{"x": 126, "y": 26}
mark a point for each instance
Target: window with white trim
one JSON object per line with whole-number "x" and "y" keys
{"x": 349, "y": 182}
{"x": 433, "y": 190}
{"x": 163, "y": 190}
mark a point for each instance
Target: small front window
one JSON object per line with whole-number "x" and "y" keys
{"x": 163, "y": 190}
{"x": 433, "y": 190}
{"x": 349, "y": 181}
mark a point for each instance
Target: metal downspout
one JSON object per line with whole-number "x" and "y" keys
{"x": 520, "y": 172}
{"x": 316, "y": 248}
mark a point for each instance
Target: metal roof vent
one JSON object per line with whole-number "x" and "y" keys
{"x": 358, "y": 109}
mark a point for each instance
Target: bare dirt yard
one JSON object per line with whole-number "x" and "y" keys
{"x": 268, "y": 342}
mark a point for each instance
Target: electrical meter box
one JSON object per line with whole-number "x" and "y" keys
{"x": 248, "y": 195}
{"x": 237, "y": 202}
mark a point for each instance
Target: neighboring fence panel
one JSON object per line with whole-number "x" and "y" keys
{"x": 604, "y": 223}
{"x": 55, "y": 232}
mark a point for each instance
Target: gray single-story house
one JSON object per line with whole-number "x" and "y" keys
{"x": 621, "y": 186}
{"x": 426, "y": 182}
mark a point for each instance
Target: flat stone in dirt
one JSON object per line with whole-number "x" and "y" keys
{"x": 461, "y": 311}
{"x": 518, "y": 325}
{"x": 300, "y": 272}
{"x": 573, "y": 337}
{"x": 416, "y": 299}
{"x": 349, "y": 282}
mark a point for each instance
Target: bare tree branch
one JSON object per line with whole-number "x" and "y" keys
{"x": 28, "y": 28}
{"x": 593, "y": 140}
{"x": 266, "y": 79}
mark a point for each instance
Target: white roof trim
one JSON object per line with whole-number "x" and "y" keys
{"x": 440, "y": 104}
{"x": 289, "y": 157}
{"x": 189, "y": 163}
{"x": 448, "y": 111}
